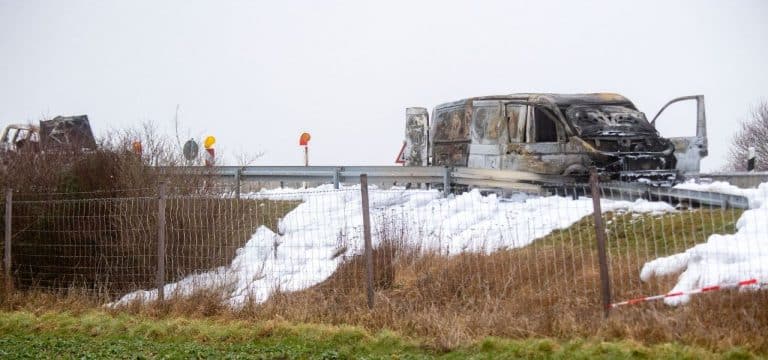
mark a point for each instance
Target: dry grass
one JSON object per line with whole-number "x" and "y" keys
{"x": 547, "y": 289}
{"x": 110, "y": 246}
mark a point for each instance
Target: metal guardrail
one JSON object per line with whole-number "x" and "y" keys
{"x": 328, "y": 174}
{"x": 505, "y": 179}
{"x": 483, "y": 178}
{"x": 740, "y": 179}
{"x": 486, "y": 178}
{"x": 623, "y": 191}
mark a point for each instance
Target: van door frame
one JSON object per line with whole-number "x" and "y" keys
{"x": 539, "y": 157}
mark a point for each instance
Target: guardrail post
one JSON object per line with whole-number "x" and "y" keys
{"x": 605, "y": 286}
{"x": 160, "y": 278}
{"x": 367, "y": 238}
{"x": 7, "y": 256}
{"x": 336, "y": 178}
{"x": 446, "y": 181}
{"x": 237, "y": 182}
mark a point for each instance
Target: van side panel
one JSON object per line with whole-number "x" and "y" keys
{"x": 489, "y": 134}
{"x": 450, "y": 134}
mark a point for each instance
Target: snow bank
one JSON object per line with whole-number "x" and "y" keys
{"x": 722, "y": 259}
{"x": 326, "y": 227}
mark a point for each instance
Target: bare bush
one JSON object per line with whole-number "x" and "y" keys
{"x": 752, "y": 133}
{"x": 244, "y": 158}
{"x": 113, "y": 168}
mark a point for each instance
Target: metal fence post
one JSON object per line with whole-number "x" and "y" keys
{"x": 367, "y": 237}
{"x": 237, "y": 183}
{"x": 447, "y": 181}
{"x": 160, "y": 280}
{"x": 336, "y": 178}
{"x": 7, "y": 256}
{"x": 605, "y": 286}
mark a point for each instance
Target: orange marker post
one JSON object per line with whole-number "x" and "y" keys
{"x": 304, "y": 141}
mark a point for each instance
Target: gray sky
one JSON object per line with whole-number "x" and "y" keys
{"x": 257, "y": 74}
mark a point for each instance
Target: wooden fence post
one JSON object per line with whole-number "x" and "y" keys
{"x": 160, "y": 279}
{"x": 605, "y": 285}
{"x": 367, "y": 237}
{"x": 7, "y": 263}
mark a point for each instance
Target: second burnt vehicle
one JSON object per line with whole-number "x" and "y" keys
{"x": 560, "y": 134}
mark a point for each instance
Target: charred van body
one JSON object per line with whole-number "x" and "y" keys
{"x": 552, "y": 134}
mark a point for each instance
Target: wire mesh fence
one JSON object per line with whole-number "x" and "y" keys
{"x": 683, "y": 248}
{"x": 523, "y": 255}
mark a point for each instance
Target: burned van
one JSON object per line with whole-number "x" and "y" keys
{"x": 552, "y": 134}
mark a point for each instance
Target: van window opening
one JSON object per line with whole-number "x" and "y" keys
{"x": 546, "y": 128}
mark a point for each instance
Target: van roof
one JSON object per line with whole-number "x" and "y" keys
{"x": 556, "y": 99}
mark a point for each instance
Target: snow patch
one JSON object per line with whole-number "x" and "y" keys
{"x": 724, "y": 258}
{"x": 315, "y": 238}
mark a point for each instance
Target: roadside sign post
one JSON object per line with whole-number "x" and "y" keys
{"x": 400, "y": 159}
{"x": 137, "y": 148}
{"x": 210, "y": 152}
{"x": 190, "y": 150}
{"x": 304, "y": 141}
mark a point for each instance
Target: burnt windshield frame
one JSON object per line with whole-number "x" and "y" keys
{"x": 605, "y": 128}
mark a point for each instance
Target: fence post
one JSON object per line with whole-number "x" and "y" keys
{"x": 7, "y": 256}
{"x": 336, "y": 178}
{"x": 367, "y": 237}
{"x": 447, "y": 181}
{"x": 160, "y": 280}
{"x": 237, "y": 183}
{"x": 605, "y": 286}
{"x": 751, "y": 158}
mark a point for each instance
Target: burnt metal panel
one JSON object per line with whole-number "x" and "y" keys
{"x": 450, "y": 135}
{"x": 416, "y": 136}
{"x": 690, "y": 150}
{"x": 67, "y": 132}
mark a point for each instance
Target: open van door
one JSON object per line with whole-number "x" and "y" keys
{"x": 415, "y": 151}
{"x": 690, "y": 150}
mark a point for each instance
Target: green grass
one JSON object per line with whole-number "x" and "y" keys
{"x": 650, "y": 234}
{"x": 271, "y": 211}
{"x": 97, "y": 335}
{"x": 632, "y": 239}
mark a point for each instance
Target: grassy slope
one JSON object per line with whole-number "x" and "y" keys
{"x": 180, "y": 334}
{"x": 96, "y": 334}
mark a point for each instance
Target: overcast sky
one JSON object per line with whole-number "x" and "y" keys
{"x": 257, "y": 74}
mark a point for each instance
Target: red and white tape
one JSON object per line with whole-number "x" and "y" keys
{"x": 681, "y": 293}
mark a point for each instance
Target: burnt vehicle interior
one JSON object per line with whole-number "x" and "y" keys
{"x": 545, "y": 125}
